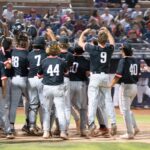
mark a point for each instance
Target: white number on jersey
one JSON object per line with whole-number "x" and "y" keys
{"x": 74, "y": 68}
{"x": 103, "y": 57}
{"x": 53, "y": 70}
{"x": 15, "y": 61}
{"x": 134, "y": 69}
{"x": 38, "y": 57}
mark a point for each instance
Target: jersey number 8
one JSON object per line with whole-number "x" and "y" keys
{"x": 53, "y": 70}
{"x": 15, "y": 61}
{"x": 103, "y": 57}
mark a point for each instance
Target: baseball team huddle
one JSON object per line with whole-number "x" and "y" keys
{"x": 58, "y": 83}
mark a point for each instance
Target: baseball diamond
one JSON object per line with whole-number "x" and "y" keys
{"x": 76, "y": 75}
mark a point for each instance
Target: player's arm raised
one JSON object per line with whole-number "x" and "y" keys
{"x": 50, "y": 34}
{"x": 81, "y": 38}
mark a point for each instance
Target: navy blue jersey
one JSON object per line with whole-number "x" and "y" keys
{"x": 52, "y": 69}
{"x": 20, "y": 62}
{"x": 67, "y": 57}
{"x": 99, "y": 57}
{"x": 79, "y": 69}
{"x": 2, "y": 73}
{"x": 128, "y": 70}
{"x": 6, "y": 58}
{"x": 35, "y": 58}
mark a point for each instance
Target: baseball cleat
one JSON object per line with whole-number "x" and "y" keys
{"x": 84, "y": 133}
{"x": 127, "y": 136}
{"x": 64, "y": 136}
{"x": 92, "y": 131}
{"x": 113, "y": 130}
{"x": 136, "y": 131}
{"x": 10, "y": 136}
{"x": 26, "y": 129}
{"x": 104, "y": 131}
{"x": 46, "y": 135}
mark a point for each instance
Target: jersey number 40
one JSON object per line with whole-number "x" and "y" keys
{"x": 53, "y": 70}
{"x": 134, "y": 69}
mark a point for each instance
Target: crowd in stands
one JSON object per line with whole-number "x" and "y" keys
{"x": 126, "y": 23}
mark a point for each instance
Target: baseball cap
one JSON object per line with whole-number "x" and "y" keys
{"x": 78, "y": 49}
{"x": 39, "y": 41}
{"x": 63, "y": 39}
{"x": 126, "y": 47}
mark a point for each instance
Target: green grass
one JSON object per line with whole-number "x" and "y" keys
{"x": 76, "y": 146}
{"x": 140, "y": 119}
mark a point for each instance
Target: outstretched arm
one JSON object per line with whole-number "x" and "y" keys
{"x": 81, "y": 38}
{"x": 50, "y": 34}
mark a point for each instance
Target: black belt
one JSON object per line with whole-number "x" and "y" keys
{"x": 95, "y": 72}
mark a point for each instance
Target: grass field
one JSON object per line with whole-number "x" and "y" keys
{"x": 75, "y": 146}
{"x": 143, "y": 119}
{"x": 139, "y": 117}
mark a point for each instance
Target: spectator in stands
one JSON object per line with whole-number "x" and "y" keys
{"x": 107, "y": 17}
{"x": 131, "y": 3}
{"x": 95, "y": 15}
{"x": 8, "y": 13}
{"x": 79, "y": 25}
{"x": 124, "y": 8}
{"x": 55, "y": 18}
{"x": 15, "y": 16}
{"x": 48, "y": 14}
{"x": 119, "y": 16}
{"x": 146, "y": 14}
{"x": 32, "y": 17}
{"x": 93, "y": 24}
{"x": 42, "y": 29}
{"x": 118, "y": 32}
{"x": 126, "y": 22}
{"x": 21, "y": 17}
{"x": 133, "y": 37}
{"x": 137, "y": 11}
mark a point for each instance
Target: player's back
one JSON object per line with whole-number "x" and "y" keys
{"x": 99, "y": 57}
{"x": 20, "y": 61}
{"x": 53, "y": 70}
{"x": 131, "y": 70}
{"x": 34, "y": 58}
{"x": 79, "y": 69}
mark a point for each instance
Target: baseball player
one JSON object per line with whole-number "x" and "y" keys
{"x": 4, "y": 115}
{"x": 52, "y": 69}
{"x": 143, "y": 82}
{"x": 34, "y": 83}
{"x": 19, "y": 80}
{"x": 127, "y": 76}
{"x": 78, "y": 87}
{"x": 5, "y": 57}
{"x": 68, "y": 57}
{"x": 100, "y": 57}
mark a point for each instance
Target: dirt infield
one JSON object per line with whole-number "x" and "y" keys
{"x": 143, "y": 136}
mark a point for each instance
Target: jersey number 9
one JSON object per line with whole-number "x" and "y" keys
{"x": 53, "y": 70}
{"x": 103, "y": 57}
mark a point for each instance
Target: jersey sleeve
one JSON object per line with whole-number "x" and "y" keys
{"x": 120, "y": 69}
{"x": 3, "y": 72}
{"x": 89, "y": 48}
